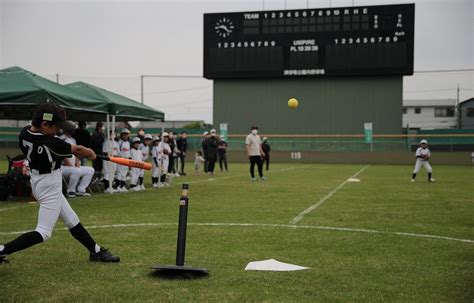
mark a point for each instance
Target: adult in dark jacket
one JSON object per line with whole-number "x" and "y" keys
{"x": 204, "y": 146}
{"x": 212, "y": 146}
{"x": 97, "y": 141}
{"x": 82, "y": 137}
{"x": 182, "y": 145}
{"x": 266, "y": 151}
{"x": 222, "y": 153}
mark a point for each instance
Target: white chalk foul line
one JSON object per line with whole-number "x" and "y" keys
{"x": 216, "y": 224}
{"x": 323, "y": 199}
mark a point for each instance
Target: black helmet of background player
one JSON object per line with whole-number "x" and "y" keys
{"x": 124, "y": 134}
{"x": 50, "y": 118}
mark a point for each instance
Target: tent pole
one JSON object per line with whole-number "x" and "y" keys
{"x": 112, "y": 170}
{"x": 108, "y": 152}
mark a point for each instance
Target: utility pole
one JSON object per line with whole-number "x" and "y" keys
{"x": 458, "y": 109}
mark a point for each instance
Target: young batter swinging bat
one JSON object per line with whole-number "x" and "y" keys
{"x": 126, "y": 162}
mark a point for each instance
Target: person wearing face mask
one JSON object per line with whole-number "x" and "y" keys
{"x": 253, "y": 144}
{"x": 212, "y": 146}
{"x": 97, "y": 142}
{"x": 141, "y": 134}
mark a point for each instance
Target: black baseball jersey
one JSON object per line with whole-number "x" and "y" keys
{"x": 44, "y": 153}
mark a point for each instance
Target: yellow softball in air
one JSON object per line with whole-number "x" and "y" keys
{"x": 292, "y": 103}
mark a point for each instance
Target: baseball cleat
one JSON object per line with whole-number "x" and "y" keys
{"x": 412, "y": 180}
{"x": 71, "y": 194}
{"x": 253, "y": 179}
{"x": 431, "y": 180}
{"x": 263, "y": 179}
{"x": 103, "y": 255}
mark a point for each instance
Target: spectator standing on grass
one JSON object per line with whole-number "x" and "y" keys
{"x": 82, "y": 137}
{"x": 173, "y": 155}
{"x": 222, "y": 153}
{"x": 204, "y": 146}
{"x": 97, "y": 142}
{"x": 266, "y": 152}
{"x": 253, "y": 144}
{"x": 212, "y": 147}
{"x": 182, "y": 145}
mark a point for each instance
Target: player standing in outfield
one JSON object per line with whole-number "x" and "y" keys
{"x": 45, "y": 152}
{"x": 124, "y": 152}
{"x": 145, "y": 149}
{"x": 422, "y": 155}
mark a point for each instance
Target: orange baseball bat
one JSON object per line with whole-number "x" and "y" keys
{"x": 126, "y": 162}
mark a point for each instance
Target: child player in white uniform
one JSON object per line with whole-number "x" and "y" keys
{"x": 422, "y": 155}
{"x": 164, "y": 150}
{"x": 124, "y": 152}
{"x": 145, "y": 149}
{"x": 108, "y": 167}
{"x": 135, "y": 154}
{"x": 155, "y": 162}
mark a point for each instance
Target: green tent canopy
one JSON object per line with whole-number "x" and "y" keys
{"x": 22, "y": 91}
{"x": 119, "y": 106}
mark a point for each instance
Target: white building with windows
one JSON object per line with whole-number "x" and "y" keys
{"x": 429, "y": 113}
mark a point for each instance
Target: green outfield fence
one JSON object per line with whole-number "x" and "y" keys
{"x": 439, "y": 140}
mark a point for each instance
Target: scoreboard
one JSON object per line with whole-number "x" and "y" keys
{"x": 343, "y": 41}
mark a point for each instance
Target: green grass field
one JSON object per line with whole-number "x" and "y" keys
{"x": 382, "y": 239}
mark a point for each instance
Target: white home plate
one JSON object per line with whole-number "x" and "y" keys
{"x": 353, "y": 180}
{"x": 273, "y": 265}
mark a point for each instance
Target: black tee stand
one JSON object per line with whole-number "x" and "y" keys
{"x": 179, "y": 270}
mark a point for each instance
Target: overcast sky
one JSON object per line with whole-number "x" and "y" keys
{"x": 110, "y": 43}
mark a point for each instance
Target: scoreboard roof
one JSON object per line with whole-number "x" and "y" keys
{"x": 337, "y": 41}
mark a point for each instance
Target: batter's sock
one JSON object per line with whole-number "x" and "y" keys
{"x": 429, "y": 176}
{"x": 24, "y": 241}
{"x": 122, "y": 184}
{"x": 413, "y": 176}
{"x": 140, "y": 180}
{"x": 154, "y": 180}
{"x": 83, "y": 236}
{"x": 163, "y": 178}
{"x": 106, "y": 184}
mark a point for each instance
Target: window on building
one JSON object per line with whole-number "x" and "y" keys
{"x": 470, "y": 112}
{"x": 417, "y": 110}
{"x": 404, "y": 110}
{"x": 444, "y": 112}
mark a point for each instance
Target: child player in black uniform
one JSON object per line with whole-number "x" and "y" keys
{"x": 45, "y": 152}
